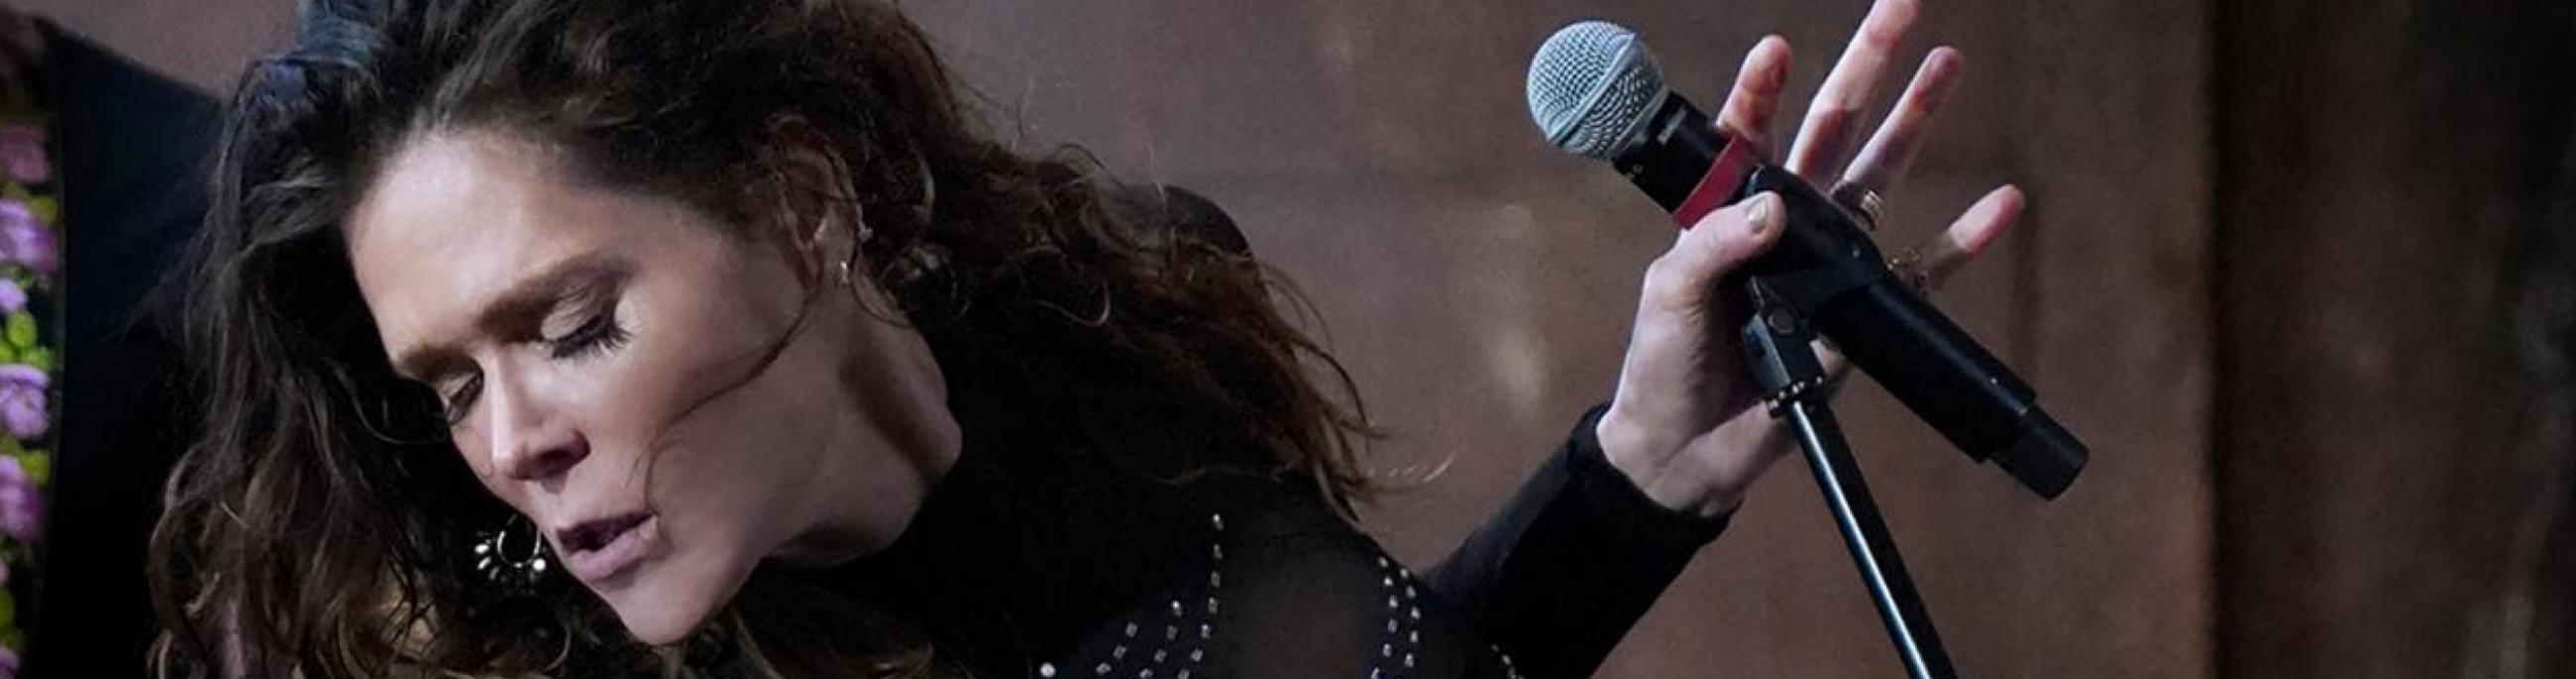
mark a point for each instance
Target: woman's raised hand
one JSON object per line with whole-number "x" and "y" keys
{"x": 1686, "y": 424}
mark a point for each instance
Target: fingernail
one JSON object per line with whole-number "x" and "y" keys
{"x": 1757, "y": 216}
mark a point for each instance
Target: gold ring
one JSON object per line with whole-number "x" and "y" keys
{"x": 1860, "y": 199}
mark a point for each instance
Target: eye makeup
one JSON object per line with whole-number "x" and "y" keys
{"x": 599, "y": 331}
{"x": 589, "y": 305}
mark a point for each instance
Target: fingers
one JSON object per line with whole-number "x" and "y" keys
{"x": 1831, "y": 358}
{"x": 1972, "y": 233}
{"x": 1667, "y": 388}
{"x": 1833, "y": 119}
{"x": 1679, "y": 281}
{"x": 1756, "y": 97}
{"x": 1882, "y": 162}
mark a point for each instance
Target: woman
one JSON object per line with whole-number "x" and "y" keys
{"x": 794, "y": 374}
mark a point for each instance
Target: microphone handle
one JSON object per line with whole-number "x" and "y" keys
{"x": 1941, "y": 374}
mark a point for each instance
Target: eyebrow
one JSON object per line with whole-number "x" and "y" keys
{"x": 530, "y": 297}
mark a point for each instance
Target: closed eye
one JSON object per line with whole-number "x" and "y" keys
{"x": 517, "y": 314}
{"x": 457, "y": 401}
{"x": 596, "y": 335}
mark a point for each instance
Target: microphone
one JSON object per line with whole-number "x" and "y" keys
{"x": 1595, "y": 92}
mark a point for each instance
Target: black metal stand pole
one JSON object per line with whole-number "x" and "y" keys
{"x": 1785, "y": 365}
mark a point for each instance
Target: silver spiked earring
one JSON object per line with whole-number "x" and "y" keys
{"x": 509, "y": 560}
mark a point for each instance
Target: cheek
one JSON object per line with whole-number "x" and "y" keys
{"x": 741, "y": 464}
{"x": 722, "y": 448}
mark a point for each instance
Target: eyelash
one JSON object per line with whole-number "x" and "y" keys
{"x": 598, "y": 335}
{"x": 456, "y": 405}
{"x": 595, "y": 336}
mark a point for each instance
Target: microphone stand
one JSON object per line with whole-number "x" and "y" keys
{"x": 1780, "y": 348}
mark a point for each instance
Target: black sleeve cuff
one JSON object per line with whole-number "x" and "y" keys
{"x": 1561, "y": 572}
{"x": 1621, "y": 505}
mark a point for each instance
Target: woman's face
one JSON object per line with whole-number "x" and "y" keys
{"x": 599, "y": 352}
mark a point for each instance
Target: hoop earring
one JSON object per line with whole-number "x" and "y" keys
{"x": 498, "y": 557}
{"x": 848, "y": 264}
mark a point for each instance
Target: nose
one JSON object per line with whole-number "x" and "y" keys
{"x": 529, "y": 442}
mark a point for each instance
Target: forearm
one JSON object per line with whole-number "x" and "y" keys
{"x": 1563, "y": 570}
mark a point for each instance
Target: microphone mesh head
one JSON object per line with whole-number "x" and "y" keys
{"x": 1590, "y": 84}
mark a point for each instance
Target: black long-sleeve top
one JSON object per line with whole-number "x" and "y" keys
{"x": 1062, "y": 564}
{"x": 1052, "y": 553}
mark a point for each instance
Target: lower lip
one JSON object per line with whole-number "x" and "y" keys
{"x": 618, "y": 556}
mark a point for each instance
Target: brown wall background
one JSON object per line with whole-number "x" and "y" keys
{"x": 2219, "y": 289}
{"x": 2397, "y": 440}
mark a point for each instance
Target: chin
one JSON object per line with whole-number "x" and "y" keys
{"x": 661, "y": 625}
{"x": 664, "y": 603}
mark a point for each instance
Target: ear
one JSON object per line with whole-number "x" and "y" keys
{"x": 814, "y": 200}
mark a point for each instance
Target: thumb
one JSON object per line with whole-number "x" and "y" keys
{"x": 1715, "y": 245}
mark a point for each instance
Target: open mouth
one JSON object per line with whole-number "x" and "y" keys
{"x": 601, "y": 548}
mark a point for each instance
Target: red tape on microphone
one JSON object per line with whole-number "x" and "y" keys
{"x": 1717, "y": 188}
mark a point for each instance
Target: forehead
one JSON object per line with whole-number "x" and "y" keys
{"x": 455, "y": 219}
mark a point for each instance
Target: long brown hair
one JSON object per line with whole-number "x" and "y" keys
{"x": 305, "y": 533}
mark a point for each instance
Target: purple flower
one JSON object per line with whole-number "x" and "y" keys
{"x": 22, "y": 153}
{"x": 24, "y": 240}
{"x": 13, "y": 299}
{"x": 22, "y": 400}
{"x": 21, "y": 511}
{"x": 8, "y": 663}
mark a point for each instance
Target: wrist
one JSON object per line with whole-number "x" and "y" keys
{"x": 1661, "y": 469}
